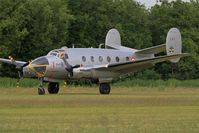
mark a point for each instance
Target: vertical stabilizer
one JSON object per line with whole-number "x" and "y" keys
{"x": 113, "y": 39}
{"x": 174, "y": 43}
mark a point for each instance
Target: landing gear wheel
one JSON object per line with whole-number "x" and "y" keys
{"x": 41, "y": 91}
{"x": 53, "y": 88}
{"x": 104, "y": 88}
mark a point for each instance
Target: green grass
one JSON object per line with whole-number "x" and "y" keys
{"x": 159, "y": 83}
{"x": 78, "y": 109}
{"x": 11, "y": 83}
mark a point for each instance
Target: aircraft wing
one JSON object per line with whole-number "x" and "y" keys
{"x": 13, "y": 62}
{"x": 152, "y": 50}
{"x": 133, "y": 66}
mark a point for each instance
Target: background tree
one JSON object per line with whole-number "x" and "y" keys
{"x": 184, "y": 16}
{"x": 92, "y": 20}
{"x": 30, "y": 28}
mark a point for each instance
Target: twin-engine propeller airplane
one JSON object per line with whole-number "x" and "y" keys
{"x": 99, "y": 65}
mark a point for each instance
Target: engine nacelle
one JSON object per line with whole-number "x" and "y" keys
{"x": 78, "y": 73}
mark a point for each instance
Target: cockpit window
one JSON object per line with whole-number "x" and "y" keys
{"x": 40, "y": 61}
{"x": 53, "y": 54}
{"x": 40, "y": 69}
{"x": 66, "y": 56}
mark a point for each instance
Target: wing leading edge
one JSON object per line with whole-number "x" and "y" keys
{"x": 132, "y": 66}
{"x": 13, "y": 62}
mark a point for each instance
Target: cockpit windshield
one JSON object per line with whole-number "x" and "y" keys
{"x": 54, "y": 53}
{"x": 40, "y": 61}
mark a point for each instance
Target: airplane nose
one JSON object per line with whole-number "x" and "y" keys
{"x": 38, "y": 66}
{"x": 28, "y": 73}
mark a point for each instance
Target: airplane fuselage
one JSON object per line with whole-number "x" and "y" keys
{"x": 85, "y": 57}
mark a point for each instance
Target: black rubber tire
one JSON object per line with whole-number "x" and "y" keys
{"x": 104, "y": 88}
{"x": 53, "y": 88}
{"x": 41, "y": 91}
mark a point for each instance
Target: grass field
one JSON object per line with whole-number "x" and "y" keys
{"x": 78, "y": 109}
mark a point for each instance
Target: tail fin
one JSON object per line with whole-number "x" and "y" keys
{"x": 113, "y": 39}
{"x": 174, "y": 43}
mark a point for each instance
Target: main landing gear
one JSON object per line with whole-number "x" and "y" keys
{"x": 53, "y": 88}
{"x": 104, "y": 88}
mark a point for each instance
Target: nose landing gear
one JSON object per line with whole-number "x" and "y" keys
{"x": 41, "y": 90}
{"x": 53, "y": 88}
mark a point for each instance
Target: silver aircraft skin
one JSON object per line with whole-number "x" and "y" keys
{"x": 99, "y": 65}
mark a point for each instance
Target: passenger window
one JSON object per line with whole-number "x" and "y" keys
{"x": 83, "y": 58}
{"x": 117, "y": 59}
{"x": 92, "y": 59}
{"x": 100, "y": 58}
{"x": 108, "y": 58}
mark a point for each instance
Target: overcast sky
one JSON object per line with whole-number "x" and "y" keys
{"x": 149, "y": 3}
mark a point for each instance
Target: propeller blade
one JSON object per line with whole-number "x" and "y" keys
{"x": 76, "y": 66}
{"x": 69, "y": 67}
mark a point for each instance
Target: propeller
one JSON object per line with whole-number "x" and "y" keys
{"x": 69, "y": 67}
{"x": 19, "y": 68}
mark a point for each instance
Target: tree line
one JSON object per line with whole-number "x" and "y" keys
{"x": 31, "y": 28}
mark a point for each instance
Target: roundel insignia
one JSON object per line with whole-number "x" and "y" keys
{"x": 171, "y": 49}
{"x": 132, "y": 58}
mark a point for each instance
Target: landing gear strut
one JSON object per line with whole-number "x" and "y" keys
{"x": 41, "y": 90}
{"x": 104, "y": 88}
{"x": 53, "y": 88}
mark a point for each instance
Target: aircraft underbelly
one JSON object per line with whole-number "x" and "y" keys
{"x": 135, "y": 69}
{"x": 56, "y": 74}
{"x": 100, "y": 74}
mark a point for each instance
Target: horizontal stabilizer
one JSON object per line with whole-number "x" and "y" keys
{"x": 152, "y": 50}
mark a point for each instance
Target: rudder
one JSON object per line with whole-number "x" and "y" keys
{"x": 174, "y": 43}
{"x": 113, "y": 39}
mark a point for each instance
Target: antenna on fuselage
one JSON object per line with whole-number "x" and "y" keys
{"x": 73, "y": 45}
